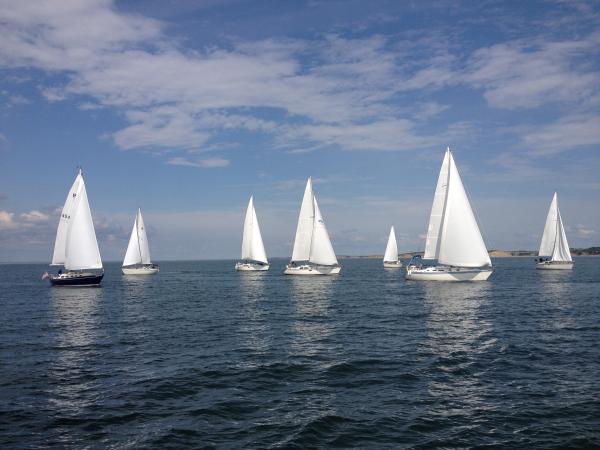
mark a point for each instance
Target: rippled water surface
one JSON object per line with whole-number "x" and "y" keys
{"x": 202, "y": 356}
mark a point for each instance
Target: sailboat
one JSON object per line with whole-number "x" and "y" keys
{"x": 453, "y": 236}
{"x": 313, "y": 253}
{"x": 254, "y": 256}
{"x": 137, "y": 257}
{"x": 76, "y": 247}
{"x": 390, "y": 258}
{"x": 554, "y": 249}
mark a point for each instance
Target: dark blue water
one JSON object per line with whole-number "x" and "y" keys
{"x": 202, "y": 356}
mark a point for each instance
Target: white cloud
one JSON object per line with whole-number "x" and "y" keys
{"x": 584, "y": 232}
{"x": 6, "y": 220}
{"x": 564, "y": 134}
{"x": 203, "y": 163}
{"x": 34, "y": 216}
{"x": 529, "y": 73}
{"x": 179, "y": 99}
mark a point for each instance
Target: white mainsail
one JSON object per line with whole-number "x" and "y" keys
{"x": 461, "y": 243}
{"x": 554, "y": 240}
{"x": 391, "y": 250}
{"x": 437, "y": 211}
{"x": 76, "y": 246}
{"x": 138, "y": 250}
{"x": 321, "y": 250}
{"x": 58, "y": 257}
{"x": 304, "y": 231}
{"x": 253, "y": 248}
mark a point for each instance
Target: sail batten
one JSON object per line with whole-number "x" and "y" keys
{"x": 391, "y": 250}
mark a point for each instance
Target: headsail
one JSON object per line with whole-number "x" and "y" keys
{"x": 81, "y": 250}
{"x": 561, "y": 252}
{"x": 461, "y": 243}
{"x": 321, "y": 250}
{"x": 253, "y": 248}
{"x": 391, "y": 251}
{"x": 304, "y": 231}
{"x": 133, "y": 255}
{"x": 437, "y": 211}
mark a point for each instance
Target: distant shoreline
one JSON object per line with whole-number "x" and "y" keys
{"x": 592, "y": 251}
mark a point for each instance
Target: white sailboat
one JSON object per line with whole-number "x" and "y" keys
{"x": 254, "y": 257}
{"x": 453, "y": 236}
{"x": 554, "y": 249}
{"x": 313, "y": 253}
{"x": 76, "y": 247}
{"x": 137, "y": 257}
{"x": 390, "y": 258}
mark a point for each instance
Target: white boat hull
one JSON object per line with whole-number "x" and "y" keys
{"x": 554, "y": 265}
{"x": 392, "y": 264}
{"x": 251, "y": 267}
{"x": 311, "y": 270}
{"x": 148, "y": 270}
{"x": 442, "y": 273}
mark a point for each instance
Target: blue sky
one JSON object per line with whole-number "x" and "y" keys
{"x": 186, "y": 108}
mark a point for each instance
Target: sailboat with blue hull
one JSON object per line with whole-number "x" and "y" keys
{"x": 76, "y": 247}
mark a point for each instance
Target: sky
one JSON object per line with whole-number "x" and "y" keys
{"x": 186, "y": 108}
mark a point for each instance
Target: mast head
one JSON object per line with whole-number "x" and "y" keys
{"x": 80, "y": 170}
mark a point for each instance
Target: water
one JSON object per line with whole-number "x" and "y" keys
{"x": 202, "y": 356}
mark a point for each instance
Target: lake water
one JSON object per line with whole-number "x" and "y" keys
{"x": 201, "y": 356}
